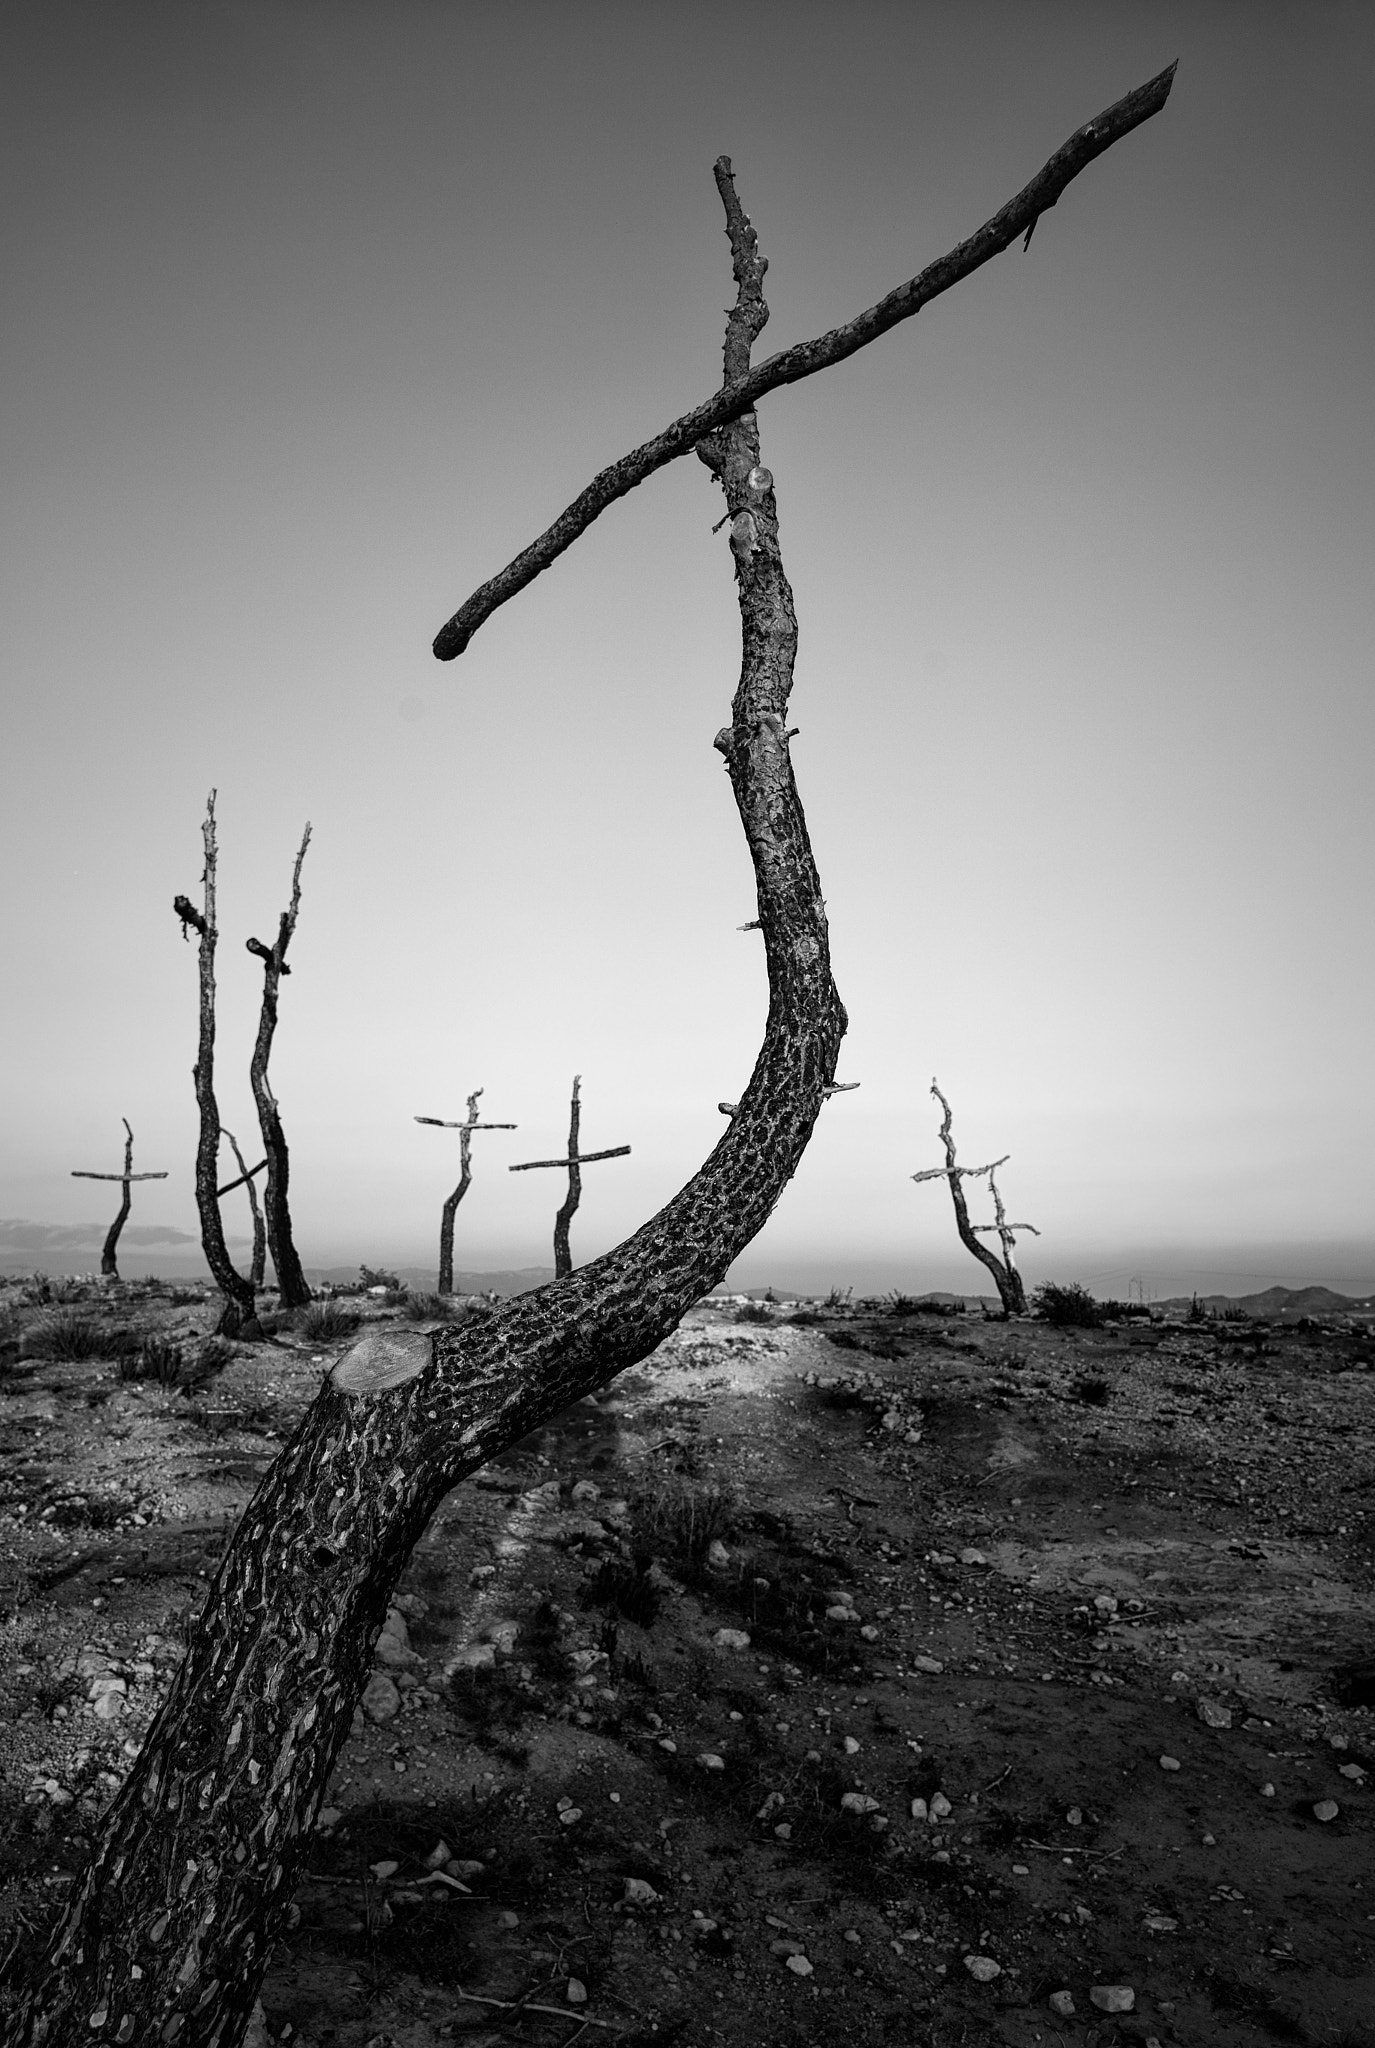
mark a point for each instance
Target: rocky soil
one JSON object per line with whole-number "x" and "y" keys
{"x": 849, "y": 1673}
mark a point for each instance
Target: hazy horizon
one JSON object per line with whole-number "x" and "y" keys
{"x": 295, "y": 356}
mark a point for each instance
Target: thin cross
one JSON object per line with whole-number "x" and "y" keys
{"x": 108, "y": 1264}
{"x": 575, "y": 1161}
{"x": 465, "y": 1138}
{"x": 1002, "y": 1229}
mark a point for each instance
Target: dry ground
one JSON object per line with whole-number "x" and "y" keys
{"x": 1099, "y": 1599}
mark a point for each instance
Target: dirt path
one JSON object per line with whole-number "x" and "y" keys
{"x": 869, "y": 1675}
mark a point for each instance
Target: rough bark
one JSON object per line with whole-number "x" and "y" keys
{"x": 258, "y": 1266}
{"x": 239, "y": 1317}
{"x": 575, "y": 1161}
{"x": 291, "y": 1280}
{"x": 450, "y": 1209}
{"x": 744, "y": 387}
{"x": 109, "y": 1262}
{"x": 1006, "y": 1278}
{"x": 169, "y": 1928}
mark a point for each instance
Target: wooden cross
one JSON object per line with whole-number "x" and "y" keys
{"x": 247, "y": 1175}
{"x": 575, "y": 1161}
{"x": 108, "y": 1266}
{"x": 446, "y": 1228}
{"x": 1002, "y": 1228}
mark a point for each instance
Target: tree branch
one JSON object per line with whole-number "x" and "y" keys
{"x": 745, "y": 387}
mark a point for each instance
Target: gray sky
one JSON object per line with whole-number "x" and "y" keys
{"x": 318, "y": 313}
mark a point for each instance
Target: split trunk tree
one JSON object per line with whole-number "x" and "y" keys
{"x": 291, "y": 1280}
{"x": 169, "y": 1928}
{"x": 240, "y": 1316}
{"x": 465, "y": 1180}
{"x": 1006, "y": 1278}
{"x": 109, "y": 1257}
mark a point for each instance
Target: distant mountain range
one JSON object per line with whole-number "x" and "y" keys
{"x": 1276, "y": 1301}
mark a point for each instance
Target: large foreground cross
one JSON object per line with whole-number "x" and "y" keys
{"x": 465, "y": 1138}
{"x": 563, "y": 1258}
{"x": 108, "y": 1266}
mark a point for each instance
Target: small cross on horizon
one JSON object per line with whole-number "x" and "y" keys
{"x": 575, "y": 1161}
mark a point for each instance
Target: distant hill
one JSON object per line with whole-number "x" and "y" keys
{"x": 1277, "y": 1301}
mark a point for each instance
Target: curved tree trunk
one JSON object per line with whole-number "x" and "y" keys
{"x": 239, "y": 1317}
{"x": 563, "y": 1250}
{"x": 291, "y": 1280}
{"x": 168, "y": 1933}
{"x": 449, "y": 1212}
{"x": 109, "y": 1261}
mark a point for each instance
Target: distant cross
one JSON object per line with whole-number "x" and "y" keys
{"x": 465, "y": 1138}
{"x": 108, "y": 1265}
{"x": 575, "y": 1161}
{"x": 247, "y": 1175}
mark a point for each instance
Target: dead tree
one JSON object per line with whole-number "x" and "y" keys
{"x": 1008, "y": 1280}
{"x": 109, "y": 1266}
{"x": 465, "y": 1175}
{"x": 247, "y": 1175}
{"x": 239, "y": 1317}
{"x": 575, "y": 1162}
{"x": 169, "y": 1927}
{"x": 291, "y": 1280}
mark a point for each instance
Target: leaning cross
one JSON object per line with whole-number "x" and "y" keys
{"x": 446, "y": 1226}
{"x": 1002, "y": 1229}
{"x": 108, "y": 1267}
{"x": 563, "y": 1258}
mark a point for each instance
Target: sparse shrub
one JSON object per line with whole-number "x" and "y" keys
{"x": 1092, "y": 1390}
{"x": 753, "y": 1312}
{"x": 839, "y": 1297}
{"x": 157, "y": 1358}
{"x": 425, "y": 1308}
{"x": 679, "y": 1516}
{"x": 1068, "y": 1307}
{"x": 627, "y": 1588}
{"x": 324, "y": 1322}
{"x": 804, "y": 1315}
{"x": 900, "y": 1304}
{"x": 214, "y": 1355}
{"x": 70, "y": 1337}
{"x": 368, "y": 1278}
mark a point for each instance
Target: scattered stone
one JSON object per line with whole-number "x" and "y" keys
{"x": 1075, "y": 1817}
{"x": 508, "y": 1920}
{"x": 502, "y": 1636}
{"x": 1170, "y": 1763}
{"x": 327, "y": 1819}
{"x": 718, "y": 1557}
{"x": 472, "y": 1657}
{"x": 584, "y": 1492}
{"x": 381, "y": 1701}
{"x": 1267, "y": 1790}
{"x": 869, "y": 1632}
{"x": 918, "y": 1809}
{"x": 569, "y": 1815}
{"x": 710, "y": 1761}
{"x": 1061, "y": 2004}
{"x": 1213, "y": 1714}
{"x": 972, "y": 1556}
{"x": 983, "y": 1969}
{"x": 858, "y": 1802}
{"x": 1112, "y": 1997}
{"x": 851, "y": 1746}
{"x": 939, "y": 1806}
{"x": 786, "y": 1946}
{"x": 638, "y": 1893}
{"x": 799, "y": 1966}
{"x": 731, "y": 1639}
{"x": 439, "y": 1856}
{"x": 1326, "y": 1809}
{"x": 784, "y": 1831}
{"x": 770, "y": 1807}
{"x": 386, "y": 1868}
{"x": 394, "y": 1643}
{"x": 1352, "y": 1771}
{"x": 576, "y": 1992}
{"x": 666, "y": 1742}
{"x": 931, "y": 1665}
{"x": 1160, "y": 1923}
{"x": 839, "y": 1613}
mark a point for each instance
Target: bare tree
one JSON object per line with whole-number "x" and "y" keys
{"x": 169, "y": 1927}
{"x": 575, "y": 1162}
{"x": 1008, "y": 1280}
{"x": 239, "y": 1317}
{"x": 109, "y": 1265}
{"x": 465, "y": 1176}
{"x": 291, "y": 1280}
{"x": 247, "y": 1175}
